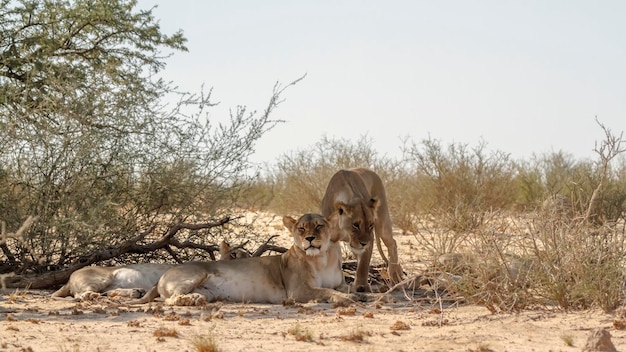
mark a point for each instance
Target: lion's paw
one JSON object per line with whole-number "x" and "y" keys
{"x": 192, "y": 299}
{"x": 341, "y": 299}
{"x": 359, "y": 297}
{"x": 362, "y": 288}
{"x": 89, "y": 296}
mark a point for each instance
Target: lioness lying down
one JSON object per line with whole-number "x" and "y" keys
{"x": 125, "y": 281}
{"x": 131, "y": 281}
{"x": 309, "y": 270}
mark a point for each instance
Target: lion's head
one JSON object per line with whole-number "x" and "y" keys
{"x": 355, "y": 222}
{"x": 229, "y": 253}
{"x": 310, "y": 232}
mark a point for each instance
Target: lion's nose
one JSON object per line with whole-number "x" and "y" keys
{"x": 363, "y": 244}
{"x": 310, "y": 238}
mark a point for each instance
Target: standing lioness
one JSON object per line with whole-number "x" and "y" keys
{"x": 309, "y": 270}
{"x": 359, "y": 198}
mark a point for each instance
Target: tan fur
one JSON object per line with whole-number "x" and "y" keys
{"x": 131, "y": 281}
{"x": 309, "y": 270}
{"x": 359, "y": 198}
{"x": 127, "y": 281}
{"x": 229, "y": 253}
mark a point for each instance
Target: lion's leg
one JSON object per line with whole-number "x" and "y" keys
{"x": 88, "y": 295}
{"x": 363, "y": 269}
{"x": 190, "y": 299}
{"x": 385, "y": 232}
{"x": 304, "y": 293}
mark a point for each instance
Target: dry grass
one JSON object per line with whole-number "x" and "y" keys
{"x": 204, "y": 344}
{"x": 357, "y": 336}
{"x": 568, "y": 340}
{"x": 480, "y": 348}
{"x": 300, "y": 334}
{"x": 400, "y": 325}
{"x": 165, "y": 332}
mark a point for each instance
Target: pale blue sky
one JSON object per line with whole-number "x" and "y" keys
{"x": 524, "y": 76}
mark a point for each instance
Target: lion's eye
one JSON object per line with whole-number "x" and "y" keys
{"x": 319, "y": 227}
{"x": 356, "y": 226}
{"x": 371, "y": 227}
{"x": 301, "y": 229}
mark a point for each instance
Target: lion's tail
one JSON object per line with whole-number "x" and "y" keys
{"x": 62, "y": 292}
{"x": 148, "y": 297}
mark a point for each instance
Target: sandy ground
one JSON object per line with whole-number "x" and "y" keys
{"x": 31, "y": 321}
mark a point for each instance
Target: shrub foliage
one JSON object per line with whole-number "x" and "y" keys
{"x": 92, "y": 148}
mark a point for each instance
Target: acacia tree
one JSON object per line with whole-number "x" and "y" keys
{"x": 89, "y": 145}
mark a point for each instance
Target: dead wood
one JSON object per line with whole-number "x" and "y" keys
{"x": 266, "y": 247}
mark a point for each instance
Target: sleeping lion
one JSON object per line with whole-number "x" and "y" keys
{"x": 130, "y": 281}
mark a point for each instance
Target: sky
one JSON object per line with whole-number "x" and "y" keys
{"x": 525, "y": 77}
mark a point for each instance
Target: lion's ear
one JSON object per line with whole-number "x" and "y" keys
{"x": 224, "y": 247}
{"x": 289, "y": 222}
{"x": 374, "y": 203}
{"x": 340, "y": 207}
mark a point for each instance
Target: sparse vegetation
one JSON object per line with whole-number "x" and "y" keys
{"x": 96, "y": 167}
{"x": 546, "y": 231}
{"x": 300, "y": 333}
{"x": 101, "y": 152}
{"x": 400, "y": 325}
{"x": 165, "y": 332}
{"x": 568, "y": 340}
{"x": 358, "y": 336}
{"x": 203, "y": 343}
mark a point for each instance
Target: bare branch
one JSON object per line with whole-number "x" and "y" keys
{"x": 608, "y": 149}
{"x": 265, "y": 247}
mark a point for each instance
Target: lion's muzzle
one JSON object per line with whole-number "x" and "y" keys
{"x": 310, "y": 248}
{"x": 358, "y": 247}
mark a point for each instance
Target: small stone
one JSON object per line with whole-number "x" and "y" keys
{"x": 599, "y": 340}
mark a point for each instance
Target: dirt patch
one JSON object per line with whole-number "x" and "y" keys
{"x": 34, "y": 322}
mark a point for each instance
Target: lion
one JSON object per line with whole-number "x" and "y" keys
{"x": 129, "y": 281}
{"x": 309, "y": 270}
{"x": 359, "y": 198}
{"x": 229, "y": 253}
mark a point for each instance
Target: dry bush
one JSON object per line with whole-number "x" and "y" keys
{"x": 458, "y": 185}
{"x": 299, "y": 179}
{"x": 495, "y": 269}
{"x": 202, "y": 343}
{"x": 573, "y": 267}
{"x": 300, "y": 334}
{"x": 564, "y": 255}
{"x": 454, "y": 191}
{"x": 99, "y": 154}
{"x": 403, "y": 194}
{"x": 558, "y": 176}
{"x": 581, "y": 266}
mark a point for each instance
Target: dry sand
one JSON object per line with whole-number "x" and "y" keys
{"x": 31, "y": 321}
